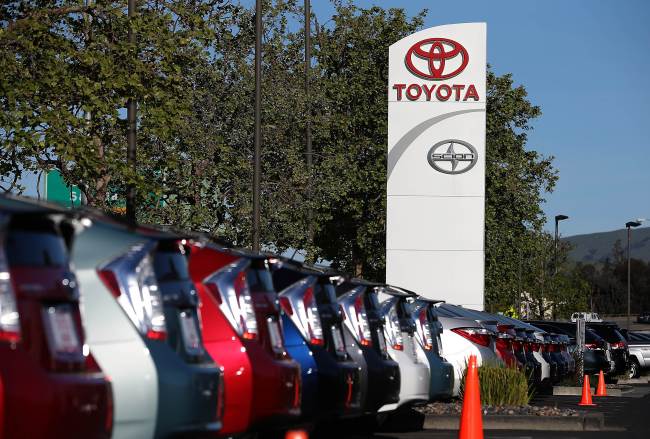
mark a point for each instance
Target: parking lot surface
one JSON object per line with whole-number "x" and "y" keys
{"x": 625, "y": 417}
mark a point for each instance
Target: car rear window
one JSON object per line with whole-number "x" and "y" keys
{"x": 170, "y": 266}
{"x": 326, "y": 294}
{"x": 28, "y": 248}
{"x": 609, "y": 333}
{"x": 259, "y": 279}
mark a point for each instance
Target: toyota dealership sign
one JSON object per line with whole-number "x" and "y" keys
{"x": 436, "y": 163}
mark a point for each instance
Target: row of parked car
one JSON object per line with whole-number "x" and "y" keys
{"x": 108, "y": 330}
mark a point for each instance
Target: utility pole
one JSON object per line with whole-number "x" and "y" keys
{"x": 556, "y": 241}
{"x": 629, "y": 226}
{"x": 308, "y": 151}
{"x": 258, "y": 129}
{"x": 131, "y": 117}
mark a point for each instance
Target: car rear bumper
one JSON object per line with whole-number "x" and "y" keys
{"x": 384, "y": 379}
{"x": 187, "y": 393}
{"x": 415, "y": 380}
{"x": 595, "y": 361}
{"x": 38, "y": 403}
{"x": 277, "y": 387}
{"x": 442, "y": 378}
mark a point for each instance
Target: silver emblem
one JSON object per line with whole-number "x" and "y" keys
{"x": 452, "y": 156}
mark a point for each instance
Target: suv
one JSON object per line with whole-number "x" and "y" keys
{"x": 428, "y": 335}
{"x": 308, "y": 298}
{"x": 399, "y": 332}
{"x": 51, "y": 384}
{"x": 620, "y": 354}
{"x": 365, "y": 328}
{"x": 242, "y": 331}
{"x": 144, "y": 273}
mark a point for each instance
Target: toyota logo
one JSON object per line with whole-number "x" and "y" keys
{"x": 436, "y": 58}
{"x": 452, "y": 156}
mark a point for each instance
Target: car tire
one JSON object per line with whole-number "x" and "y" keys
{"x": 635, "y": 369}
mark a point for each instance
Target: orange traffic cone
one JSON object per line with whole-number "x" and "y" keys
{"x": 601, "y": 390}
{"x": 471, "y": 418}
{"x": 586, "y": 393}
{"x": 296, "y": 434}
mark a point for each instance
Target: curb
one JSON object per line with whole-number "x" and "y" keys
{"x": 588, "y": 422}
{"x": 577, "y": 391}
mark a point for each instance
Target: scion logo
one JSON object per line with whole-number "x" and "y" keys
{"x": 452, "y": 156}
{"x": 436, "y": 58}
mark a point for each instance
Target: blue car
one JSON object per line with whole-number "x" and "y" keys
{"x": 312, "y": 318}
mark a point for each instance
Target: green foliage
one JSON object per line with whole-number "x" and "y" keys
{"x": 68, "y": 70}
{"x": 501, "y": 386}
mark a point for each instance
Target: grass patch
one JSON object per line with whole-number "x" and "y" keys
{"x": 501, "y": 386}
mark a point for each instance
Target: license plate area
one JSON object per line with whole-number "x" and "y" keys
{"x": 382, "y": 341}
{"x": 61, "y": 332}
{"x": 337, "y": 339}
{"x": 190, "y": 333}
{"x": 275, "y": 335}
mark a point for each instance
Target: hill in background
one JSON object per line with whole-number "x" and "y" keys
{"x": 596, "y": 247}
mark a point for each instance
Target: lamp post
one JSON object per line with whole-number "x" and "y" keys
{"x": 629, "y": 226}
{"x": 131, "y": 117}
{"x": 308, "y": 151}
{"x": 558, "y": 218}
{"x": 258, "y": 130}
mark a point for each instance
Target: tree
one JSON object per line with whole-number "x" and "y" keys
{"x": 352, "y": 57}
{"x": 516, "y": 180}
{"x": 68, "y": 70}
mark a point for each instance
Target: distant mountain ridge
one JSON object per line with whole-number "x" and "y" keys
{"x": 596, "y": 247}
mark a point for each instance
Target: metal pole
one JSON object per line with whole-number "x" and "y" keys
{"x": 308, "y": 152}
{"x": 258, "y": 128}
{"x": 555, "y": 252}
{"x": 628, "y": 277}
{"x": 131, "y": 116}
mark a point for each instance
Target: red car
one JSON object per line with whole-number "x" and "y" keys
{"x": 242, "y": 331}
{"x": 51, "y": 385}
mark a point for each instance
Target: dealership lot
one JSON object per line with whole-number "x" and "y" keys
{"x": 625, "y": 417}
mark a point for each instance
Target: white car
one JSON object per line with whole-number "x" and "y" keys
{"x": 113, "y": 339}
{"x": 462, "y": 337}
{"x": 399, "y": 332}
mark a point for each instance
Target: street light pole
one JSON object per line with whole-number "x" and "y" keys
{"x": 558, "y": 218}
{"x": 258, "y": 129}
{"x": 629, "y": 226}
{"x": 131, "y": 118}
{"x": 308, "y": 151}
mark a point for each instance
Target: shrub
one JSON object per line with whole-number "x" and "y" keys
{"x": 501, "y": 386}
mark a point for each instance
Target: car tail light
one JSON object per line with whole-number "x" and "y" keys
{"x": 393, "y": 330}
{"x": 9, "y": 319}
{"x": 423, "y": 329}
{"x": 298, "y": 302}
{"x": 619, "y": 345}
{"x": 361, "y": 321}
{"x": 480, "y": 336}
{"x": 132, "y": 281}
{"x": 230, "y": 289}
{"x": 309, "y": 314}
{"x": 297, "y": 391}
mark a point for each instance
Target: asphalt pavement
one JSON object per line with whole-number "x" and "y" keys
{"x": 626, "y": 417}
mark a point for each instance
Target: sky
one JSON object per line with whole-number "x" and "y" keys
{"x": 585, "y": 63}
